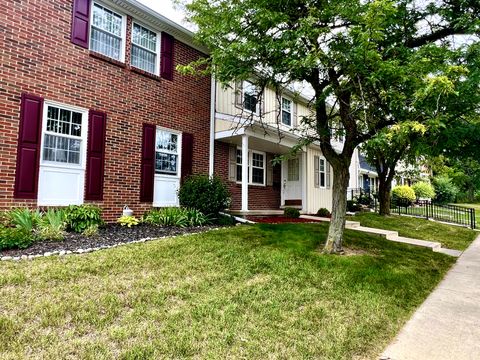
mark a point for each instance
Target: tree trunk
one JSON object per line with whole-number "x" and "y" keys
{"x": 384, "y": 199}
{"x": 339, "y": 209}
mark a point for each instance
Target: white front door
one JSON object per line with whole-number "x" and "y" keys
{"x": 292, "y": 179}
{"x": 167, "y": 168}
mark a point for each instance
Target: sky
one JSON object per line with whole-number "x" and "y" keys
{"x": 166, "y": 8}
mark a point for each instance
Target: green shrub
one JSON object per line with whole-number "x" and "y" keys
{"x": 291, "y": 213}
{"x": 15, "y": 238}
{"x": 353, "y": 206}
{"x": 52, "y": 225}
{"x": 91, "y": 231}
{"x": 174, "y": 216}
{"x": 446, "y": 191}
{"x": 128, "y": 221}
{"x": 80, "y": 217}
{"x": 323, "y": 212}
{"x": 209, "y": 195}
{"x": 365, "y": 198}
{"x": 25, "y": 219}
{"x": 403, "y": 195}
{"x": 423, "y": 190}
{"x": 477, "y": 196}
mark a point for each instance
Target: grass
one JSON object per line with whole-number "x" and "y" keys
{"x": 477, "y": 211}
{"x": 260, "y": 291}
{"x": 450, "y": 236}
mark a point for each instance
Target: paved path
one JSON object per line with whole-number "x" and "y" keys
{"x": 447, "y": 324}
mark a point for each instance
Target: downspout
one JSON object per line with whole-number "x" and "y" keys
{"x": 213, "y": 101}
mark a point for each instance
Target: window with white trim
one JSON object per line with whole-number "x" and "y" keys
{"x": 250, "y": 100}
{"x": 256, "y": 167}
{"x": 286, "y": 112}
{"x": 144, "y": 49}
{"x": 319, "y": 172}
{"x": 166, "y": 153}
{"x": 107, "y": 32}
{"x": 62, "y": 142}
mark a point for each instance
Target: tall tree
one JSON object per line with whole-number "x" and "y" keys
{"x": 344, "y": 49}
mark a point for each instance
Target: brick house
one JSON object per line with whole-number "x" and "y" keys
{"x": 92, "y": 108}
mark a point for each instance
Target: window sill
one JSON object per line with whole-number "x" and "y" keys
{"x": 145, "y": 73}
{"x": 107, "y": 59}
{"x": 239, "y": 183}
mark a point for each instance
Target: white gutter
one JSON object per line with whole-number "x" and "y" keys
{"x": 213, "y": 101}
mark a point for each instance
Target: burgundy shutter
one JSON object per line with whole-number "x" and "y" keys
{"x": 187, "y": 155}
{"x": 28, "y": 147}
{"x": 97, "y": 126}
{"x": 80, "y": 22}
{"x": 166, "y": 58}
{"x": 148, "y": 163}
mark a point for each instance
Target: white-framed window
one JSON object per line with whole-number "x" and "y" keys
{"x": 167, "y": 148}
{"x": 256, "y": 167}
{"x": 250, "y": 97}
{"x": 319, "y": 172}
{"x": 286, "y": 112}
{"x": 64, "y": 134}
{"x": 145, "y": 49}
{"x": 107, "y": 32}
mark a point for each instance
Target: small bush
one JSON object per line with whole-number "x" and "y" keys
{"x": 80, "y": 217}
{"x": 178, "y": 217}
{"x": 52, "y": 225}
{"x": 423, "y": 190}
{"x": 353, "y": 206}
{"x": 15, "y": 238}
{"x": 91, "y": 231}
{"x": 195, "y": 217}
{"x": 323, "y": 212}
{"x": 291, "y": 213}
{"x": 209, "y": 195}
{"x": 225, "y": 220}
{"x": 365, "y": 198}
{"x": 446, "y": 191}
{"x": 403, "y": 195}
{"x": 128, "y": 221}
{"x": 25, "y": 219}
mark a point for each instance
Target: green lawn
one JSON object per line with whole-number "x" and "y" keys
{"x": 450, "y": 236}
{"x": 477, "y": 211}
{"x": 255, "y": 292}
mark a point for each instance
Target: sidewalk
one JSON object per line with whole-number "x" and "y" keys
{"x": 447, "y": 324}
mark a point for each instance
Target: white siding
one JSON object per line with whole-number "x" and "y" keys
{"x": 316, "y": 197}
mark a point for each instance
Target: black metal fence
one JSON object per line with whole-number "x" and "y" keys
{"x": 446, "y": 213}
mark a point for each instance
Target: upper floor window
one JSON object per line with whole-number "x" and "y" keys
{"x": 250, "y": 100}
{"x": 319, "y": 172}
{"x": 107, "y": 33}
{"x": 166, "y": 153}
{"x": 286, "y": 112}
{"x": 62, "y": 141}
{"x": 144, "y": 49}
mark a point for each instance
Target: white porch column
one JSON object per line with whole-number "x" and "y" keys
{"x": 244, "y": 172}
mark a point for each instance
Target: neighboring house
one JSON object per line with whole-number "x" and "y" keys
{"x": 362, "y": 174}
{"x": 92, "y": 108}
{"x": 260, "y": 130}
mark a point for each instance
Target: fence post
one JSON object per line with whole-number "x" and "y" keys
{"x": 472, "y": 218}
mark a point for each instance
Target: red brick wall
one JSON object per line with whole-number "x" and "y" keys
{"x": 259, "y": 197}
{"x": 36, "y": 56}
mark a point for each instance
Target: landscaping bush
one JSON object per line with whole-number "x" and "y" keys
{"x": 128, "y": 221}
{"x": 209, "y": 195}
{"x": 225, "y": 220}
{"x": 353, "y": 206}
{"x": 178, "y": 217}
{"x": 15, "y": 238}
{"x": 52, "y": 225}
{"x": 423, "y": 190}
{"x": 25, "y": 219}
{"x": 91, "y": 231}
{"x": 323, "y": 212}
{"x": 291, "y": 213}
{"x": 79, "y": 217}
{"x": 403, "y": 195}
{"x": 364, "y": 198}
{"x": 446, "y": 191}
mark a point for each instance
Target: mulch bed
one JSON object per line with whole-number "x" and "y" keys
{"x": 278, "y": 219}
{"x": 107, "y": 236}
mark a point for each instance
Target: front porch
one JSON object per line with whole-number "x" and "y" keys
{"x": 261, "y": 186}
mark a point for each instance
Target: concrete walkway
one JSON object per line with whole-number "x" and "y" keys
{"x": 392, "y": 236}
{"x": 447, "y": 324}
